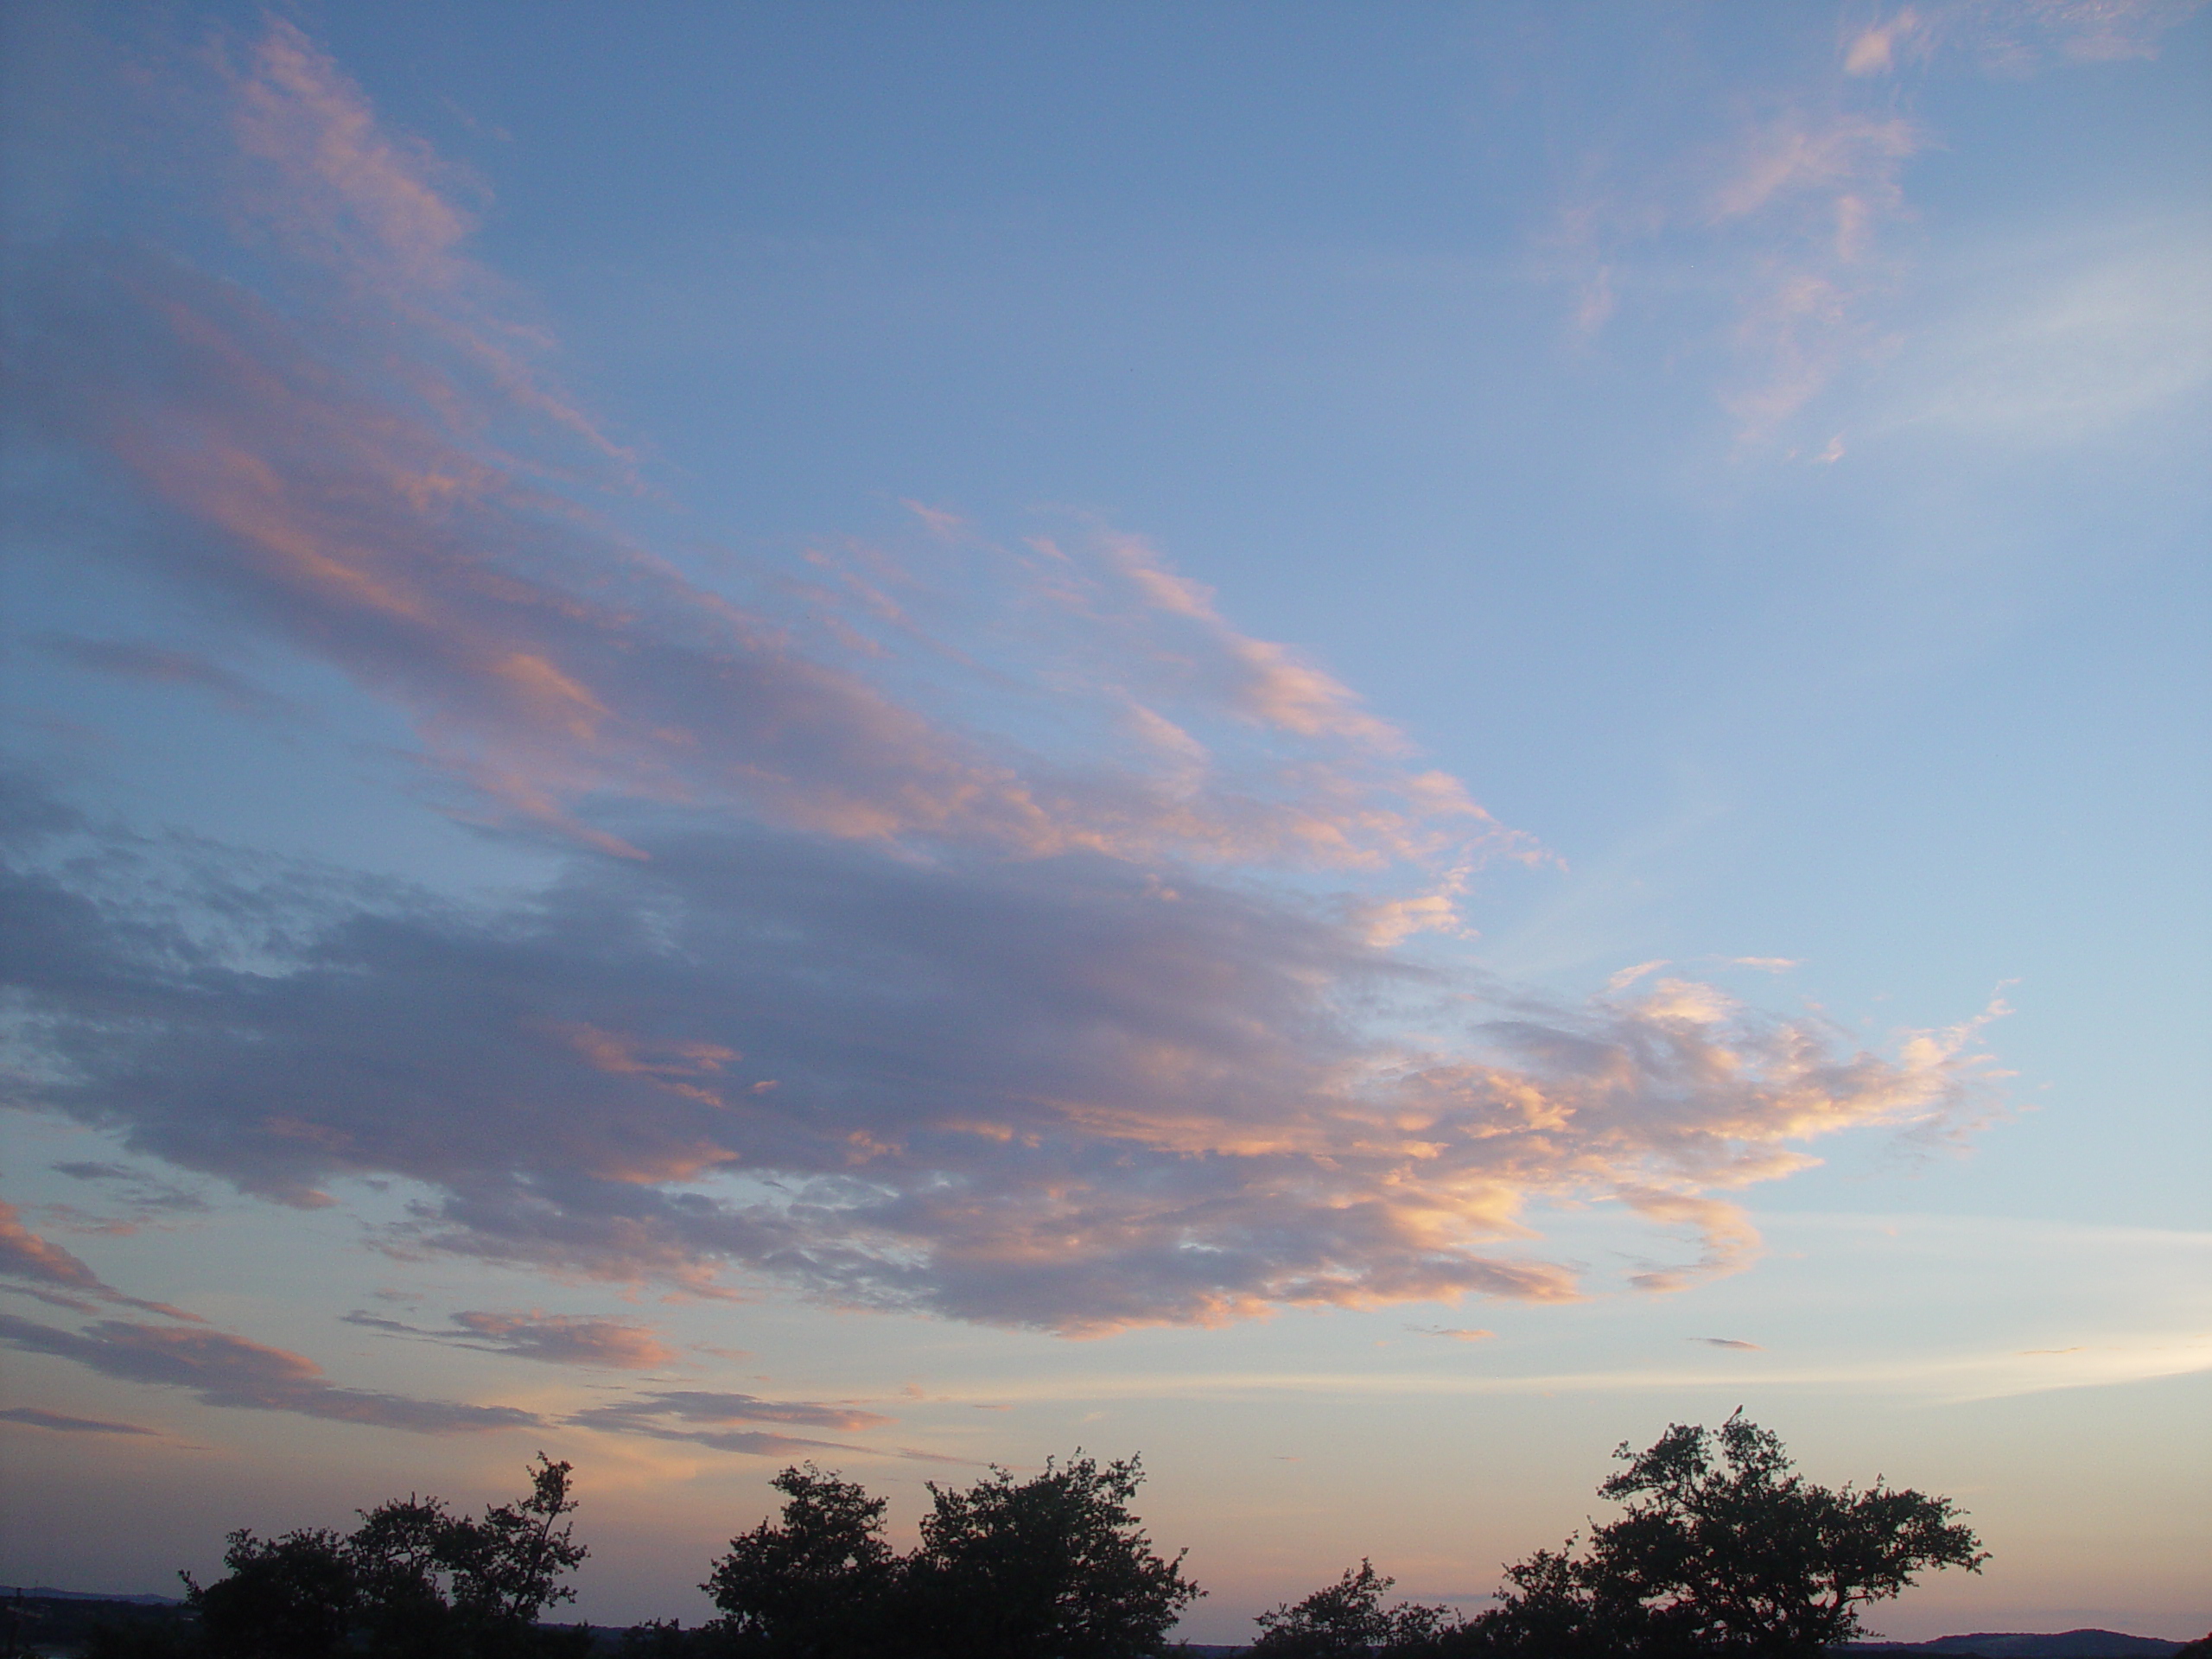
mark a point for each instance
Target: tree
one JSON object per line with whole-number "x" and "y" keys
{"x": 1347, "y": 1620}
{"x": 1724, "y": 1550}
{"x": 814, "y": 1586}
{"x": 433, "y": 1582}
{"x": 414, "y": 1581}
{"x": 1053, "y": 1568}
{"x": 289, "y": 1598}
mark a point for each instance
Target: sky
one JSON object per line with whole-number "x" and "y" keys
{"x": 1358, "y": 747}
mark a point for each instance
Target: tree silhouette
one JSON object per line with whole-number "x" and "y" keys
{"x": 414, "y": 1581}
{"x": 1724, "y": 1550}
{"x": 814, "y": 1586}
{"x": 1056, "y": 1567}
{"x": 1053, "y": 1568}
{"x": 1347, "y": 1620}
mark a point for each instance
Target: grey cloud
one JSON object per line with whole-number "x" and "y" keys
{"x": 144, "y": 1194}
{"x": 222, "y": 1370}
{"x": 1728, "y": 1342}
{"x": 836, "y": 989}
{"x": 1039, "y": 1092}
{"x": 138, "y": 659}
{"x": 703, "y": 1419}
{"x": 700, "y": 1406}
{"x": 33, "y": 1417}
{"x": 553, "y": 1338}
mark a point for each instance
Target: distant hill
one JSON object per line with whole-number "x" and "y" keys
{"x": 1988, "y": 1644}
{"x": 2008, "y": 1645}
{"x": 2023, "y": 1644}
{"x": 45, "y": 1593}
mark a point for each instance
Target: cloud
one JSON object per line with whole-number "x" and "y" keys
{"x": 704, "y": 1419}
{"x": 222, "y": 1370}
{"x": 1457, "y": 1333}
{"x": 1031, "y": 1090}
{"x": 1726, "y": 1342}
{"x": 2013, "y": 37}
{"x": 54, "y": 1275}
{"x": 554, "y": 1338}
{"x": 958, "y": 937}
{"x": 2078, "y": 341}
{"x": 349, "y": 455}
{"x": 165, "y": 665}
{"x": 1787, "y": 217}
{"x": 1784, "y": 215}
{"x": 144, "y": 1196}
{"x": 33, "y": 1417}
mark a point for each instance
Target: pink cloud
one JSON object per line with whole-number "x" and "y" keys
{"x": 52, "y": 1274}
{"x": 994, "y": 984}
{"x": 1033, "y": 1092}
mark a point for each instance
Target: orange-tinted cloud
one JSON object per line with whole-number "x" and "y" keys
{"x": 353, "y": 453}
{"x": 994, "y": 982}
{"x": 1025, "y": 1091}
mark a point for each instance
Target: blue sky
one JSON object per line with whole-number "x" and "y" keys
{"x": 1361, "y": 745}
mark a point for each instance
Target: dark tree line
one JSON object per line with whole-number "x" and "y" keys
{"x": 414, "y": 1581}
{"x": 1057, "y": 1567}
{"x": 1723, "y": 1552}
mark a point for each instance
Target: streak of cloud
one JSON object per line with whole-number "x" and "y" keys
{"x": 52, "y": 1274}
{"x": 552, "y": 1338}
{"x": 138, "y": 659}
{"x": 33, "y": 1417}
{"x": 706, "y": 1419}
{"x": 221, "y": 1369}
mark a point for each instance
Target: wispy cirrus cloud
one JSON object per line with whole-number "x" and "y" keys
{"x": 1046, "y": 968}
{"x": 222, "y": 1370}
{"x": 139, "y": 659}
{"x": 2012, "y": 36}
{"x": 61, "y": 1423}
{"x": 352, "y": 470}
{"x": 1791, "y": 214}
{"x": 717, "y": 1421}
{"x": 553, "y": 1338}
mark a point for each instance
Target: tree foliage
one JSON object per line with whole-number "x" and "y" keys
{"x": 1347, "y": 1620}
{"x": 1057, "y": 1567}
{"x": 1724, "y": 1550}
{"x": 414, "y": 1581}
{"x": 814, "y": 1586}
